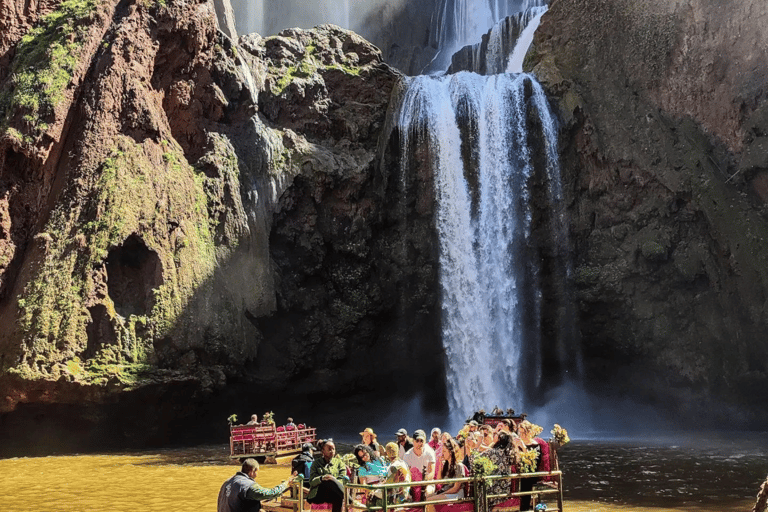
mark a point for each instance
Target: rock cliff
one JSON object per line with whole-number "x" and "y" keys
{"x": 664, "y": 106}
{"x": 186, "y": 219}
{"x": 190, "y": 223}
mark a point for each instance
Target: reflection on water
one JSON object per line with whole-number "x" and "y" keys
{"x": 598, "y": 477}
{"x": 691, "y": 475}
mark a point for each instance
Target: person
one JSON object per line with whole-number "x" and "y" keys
{"x": 290, "y": 425}
{"x": 479, "y": 416}
{"x": 391, "y": 452}
{"x": 371, "y": 471}
{"x": 473, "y": 426}
{"x": 254, "y": 420}
{"x": 326, "y": 476}
{"x": 437, "y": 445}
{"x": 502, "y": 455}
{"x": 525, "y": 431}
{"x": 451, "y": 467}
{"x": 497, "y": 411}
{"x": 369, "y": 439}
{"x": 302, "y": 463}
{"x": 241, "y": 493}
{"x": 469, "y": 450}
{"x": 397, "y": 472}
{"x": 403, "y": 441}
{"x": 434, "y": 439}
{"x": 421, "y": 458}
{"x": 486, "y": 438}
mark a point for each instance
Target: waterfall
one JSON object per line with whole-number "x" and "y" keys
{"x": 524, "y": 41}
{"x": 478, "y": 136}
{"x": 267, "y": 17}
{"x": 459, "y": 23}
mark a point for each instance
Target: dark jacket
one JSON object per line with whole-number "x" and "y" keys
{"x": 242, "y": 494}
{"x": 302, "y": 464}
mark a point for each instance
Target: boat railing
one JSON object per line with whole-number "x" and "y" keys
{"x": 259, "y": 439}
{"x": 479, "y": 498}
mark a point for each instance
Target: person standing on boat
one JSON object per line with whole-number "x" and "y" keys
{"x": 403, "y": 441}
{"x": 241, "y": 493}
{"x": 254, "y": 420}
{"x": 326, "y": 476}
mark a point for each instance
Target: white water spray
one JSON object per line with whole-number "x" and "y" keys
{"x": 524, "y": 41}
{"x": 480, "y": 253}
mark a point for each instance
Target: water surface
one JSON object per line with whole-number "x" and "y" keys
{"x": 701, "y": 476}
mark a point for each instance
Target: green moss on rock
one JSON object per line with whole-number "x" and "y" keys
{"x": 45, "y": 61}
{"x": 138, "y": 191}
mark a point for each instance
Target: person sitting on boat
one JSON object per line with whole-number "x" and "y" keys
{"x": 451, "y": 467}
{"x": 434, "y": 438}
{"x": 302, "y": 463}
{"x": 485, "y": 438}
{"x": 241, "y": 493}
{"x": 404, "y": 442}
{"x": 326, "y": 476}
{"x": 397, "y": 472}
{"x": 436, "y": 444}
{"x": 372, "y": 470}
{"x": 254, "y": 420}
{"x": 526, "y": 433}
{"x": 421, "y": 460}
{"x": 369, "y": 439}
{"x": 290, "y": 425}
{"x": 469, "y": 449}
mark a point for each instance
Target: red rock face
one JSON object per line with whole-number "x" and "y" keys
{"x": 16, "y": 18}
{"x": 219, "y": 223}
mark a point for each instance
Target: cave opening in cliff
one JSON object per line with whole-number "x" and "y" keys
{"x": 133, "y": 272}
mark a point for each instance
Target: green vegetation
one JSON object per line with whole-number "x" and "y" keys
{"x": 139, "y": 187}
{"x": 653, "y": 250}
{"x": 45, "y": 61}
{"x": 305, "y": 68}
{"x": 586, "y": 276}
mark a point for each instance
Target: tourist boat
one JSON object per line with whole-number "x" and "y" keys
{"x": 494, "y": 419}
{"x": 265, "y": 442}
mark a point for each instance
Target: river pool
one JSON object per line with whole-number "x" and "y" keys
{"x": 701, "y": 476}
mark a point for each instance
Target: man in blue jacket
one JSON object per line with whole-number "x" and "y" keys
{"x": 241, "y": 493}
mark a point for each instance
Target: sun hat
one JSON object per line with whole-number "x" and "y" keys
{"x": 368, "y": 430}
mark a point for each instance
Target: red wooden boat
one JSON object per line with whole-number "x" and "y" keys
{"x": 266, "y": 442}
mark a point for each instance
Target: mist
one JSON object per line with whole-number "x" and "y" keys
{"x": 268, "y": 17}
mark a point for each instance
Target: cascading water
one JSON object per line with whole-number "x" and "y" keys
{"x": 483, "y": 220}
{"x": 486, "y": 154}
{"x": 459, "y": 23}
{"x": 271, "y": 16}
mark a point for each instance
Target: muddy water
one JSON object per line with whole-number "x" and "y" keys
{"x": 624, "y": 477}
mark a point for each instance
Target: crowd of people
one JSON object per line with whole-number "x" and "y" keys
{"x": 508, "y": 447}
